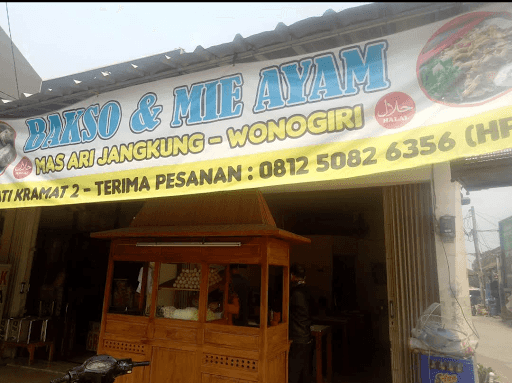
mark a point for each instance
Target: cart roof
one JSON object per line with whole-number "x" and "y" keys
{"x": 226, "y": 214}
{"x": 201, "y": 231}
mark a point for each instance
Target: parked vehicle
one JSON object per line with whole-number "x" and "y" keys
{"x": 99, "y": 369}
{"x": 475, "y": 298}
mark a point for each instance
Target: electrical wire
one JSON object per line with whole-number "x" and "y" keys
{"x": 485, "y": 219}
{"x": 489, "y": 216}
{"x": 485, "y": 242}
{"x": 12, "y": 51}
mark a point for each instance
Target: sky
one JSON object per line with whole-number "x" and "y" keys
{"x": 59, "y": 39}
{"x": 491, "y": 206}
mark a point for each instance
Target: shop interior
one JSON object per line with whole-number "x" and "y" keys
{"x": 68, "y": 275}
{"x": 345, "y": 270}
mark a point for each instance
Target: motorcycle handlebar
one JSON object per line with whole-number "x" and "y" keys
{"x": 117, "y": 368}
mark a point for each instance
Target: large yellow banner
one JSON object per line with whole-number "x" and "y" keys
{"x": 440, "y": 94}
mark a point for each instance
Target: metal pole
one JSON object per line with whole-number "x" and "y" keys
{"x": 502, "y": 275}
{"x": 477, "y": 252}
{"x": 501, "y": 295}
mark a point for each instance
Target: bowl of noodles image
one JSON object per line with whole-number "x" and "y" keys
{"x": 468, "y": 61}
{"x": 7, "y": 150}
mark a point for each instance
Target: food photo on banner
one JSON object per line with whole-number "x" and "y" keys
{"x": 428, "y": 95}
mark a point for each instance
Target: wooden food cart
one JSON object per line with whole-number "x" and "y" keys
{"x": 168, "y": 297}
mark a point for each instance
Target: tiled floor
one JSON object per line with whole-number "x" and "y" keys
{"x": 18, "y": 371}
{"x": 9, "y": 374}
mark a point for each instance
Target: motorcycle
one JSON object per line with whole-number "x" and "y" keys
{"x": 99, "y": 369}
{"x": 474, "y": 297}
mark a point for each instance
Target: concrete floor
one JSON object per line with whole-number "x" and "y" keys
{"x": 495, "y": 346}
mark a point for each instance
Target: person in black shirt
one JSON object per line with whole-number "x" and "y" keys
{"x": 241, "y": 288}
{"x": 299, "y": 357}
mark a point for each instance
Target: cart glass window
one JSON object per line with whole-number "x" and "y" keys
{"x": 275, "y": 294}
{"x": 178, "y": 291}
{"x": 216, "y": 294}
{"x": 131, "y": 288}
{"x": 234, "y": 294}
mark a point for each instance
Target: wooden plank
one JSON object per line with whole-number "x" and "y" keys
{"x": 106, "y": 300}
{"x": 230, "y": 362}
{"x": 278, "y": 334}
{"x": 154, "y": 294}
{"x": 219, "y": 256}
{"x": 178, "y": 258}
{"x": 286, "y": 292}
{"x": 278, "y": 349}
{"x": 277, "y": 339}
{"x": 278, "y": 252}
{"x": 228, "y": 207}
{"x": 168, "y": 344}
{"x": 232, "y": 329}
{"x": 188, "y": 254}
{"x": 277, "y": 368}
{"x": 263, "y": 346}
{"x": 203, "y": 303}
{"x": 135, "y": 319}
{"x": 208, "y": 378}
{"x": 123, "y": 347}
{"x": 129, "y": 329}
{"x": 144, "y": 285}
{"x": 230, "y": 373}
{"x": 131, "y": 248}
{"x": 171, "y": 366}
{"x": 123, "y": 338}
{"x": 202, "y": 231}
{"x": 176, "y": 334}
{"x": 172, "y": 323}
{"x": 247, "y": 342}
{"x": 243, "y": 252}
{"x": 227, "y": 351}
{"x": 203, "y": 295}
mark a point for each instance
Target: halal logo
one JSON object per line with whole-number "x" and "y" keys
{"x": 23, "y": 169}
{"x": 394, "y": 110}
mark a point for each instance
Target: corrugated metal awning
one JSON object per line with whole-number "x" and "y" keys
{"x": 484, "y": 172}
{"x": 332, "y": 29}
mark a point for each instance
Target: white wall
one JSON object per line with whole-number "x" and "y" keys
{"x": 451, "y": 253}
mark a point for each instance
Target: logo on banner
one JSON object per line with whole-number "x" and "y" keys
{"x": 23, "y": 169}
{"x": 394, "y": 110}
{"x": 7, "y": 150}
